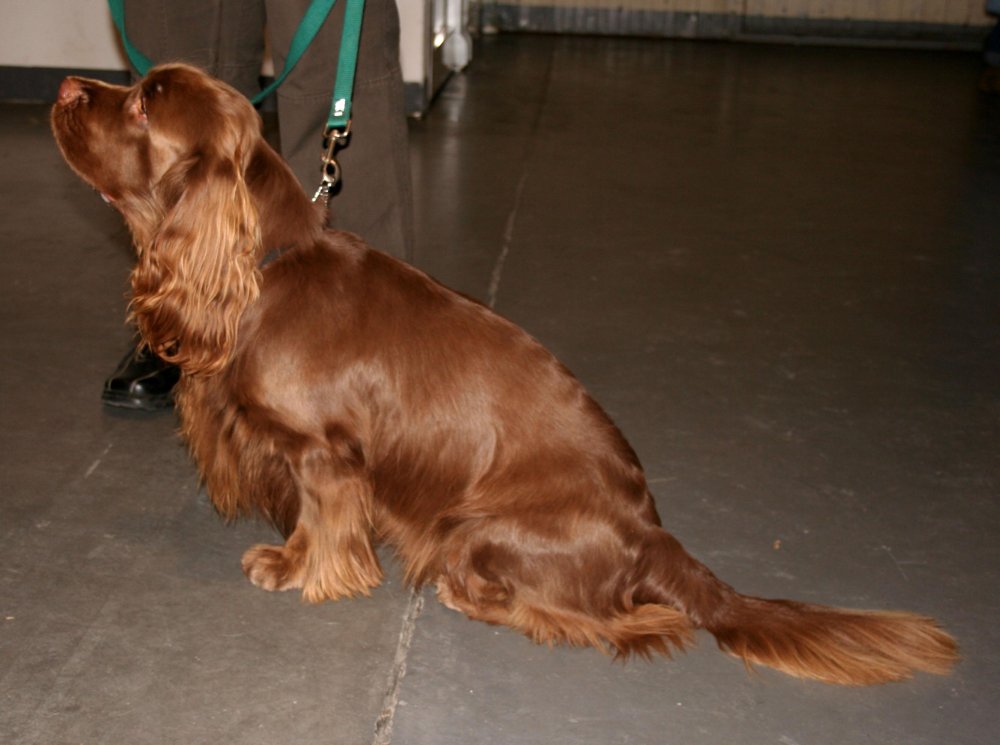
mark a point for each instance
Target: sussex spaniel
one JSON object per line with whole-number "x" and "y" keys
{"x": 350, "y": 399}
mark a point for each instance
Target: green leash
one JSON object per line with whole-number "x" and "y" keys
{"x": 139, "y": 61}
{"x": 338, "y": 123}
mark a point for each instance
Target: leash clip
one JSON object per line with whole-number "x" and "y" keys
{"x": 332, "y": 139}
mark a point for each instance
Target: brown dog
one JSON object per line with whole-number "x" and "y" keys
{"x": 349, "y": 399}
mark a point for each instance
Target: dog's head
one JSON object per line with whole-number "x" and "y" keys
{"x": 170, "y": 153}
{"x": 146, "y": 140}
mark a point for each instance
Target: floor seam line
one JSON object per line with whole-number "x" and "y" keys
{"x": 529, "y": 148}
{"x": 390, "y": 700}
{"x": 508, "y": 238}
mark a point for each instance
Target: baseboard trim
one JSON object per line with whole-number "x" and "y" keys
{"x": 689, "y": 25}
{"x": 41, "y": 84}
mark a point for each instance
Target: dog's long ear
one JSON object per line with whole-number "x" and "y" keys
{"x": 197, "y": 273}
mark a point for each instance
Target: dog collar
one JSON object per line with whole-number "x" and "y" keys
{"x": 272, "y": 255}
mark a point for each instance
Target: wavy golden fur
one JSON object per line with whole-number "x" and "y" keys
{"x": 350, "y": 399}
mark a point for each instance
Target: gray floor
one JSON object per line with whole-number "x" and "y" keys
{"x": 776, "y": 267}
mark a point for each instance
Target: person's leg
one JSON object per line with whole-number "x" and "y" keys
{"x": 223, "y": 37}
{"x": 375, "y": 197}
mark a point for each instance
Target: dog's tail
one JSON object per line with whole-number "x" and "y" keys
{"x": 849, "y": 647}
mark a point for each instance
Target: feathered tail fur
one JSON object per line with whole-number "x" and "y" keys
{"x": 834, "y": 645}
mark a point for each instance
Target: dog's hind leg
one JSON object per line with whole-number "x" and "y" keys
{"x": 329, "y": 554}
{"x": 549, "y": 600}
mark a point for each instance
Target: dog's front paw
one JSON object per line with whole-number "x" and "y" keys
{"x": 272, "y": 567}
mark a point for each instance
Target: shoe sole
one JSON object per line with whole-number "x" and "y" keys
{"x": 150, "y": 403}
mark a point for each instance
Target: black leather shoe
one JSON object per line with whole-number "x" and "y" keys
{"x": 142, "y": 381}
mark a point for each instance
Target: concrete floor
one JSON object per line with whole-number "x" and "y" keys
{"x": 776, "y": 267}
